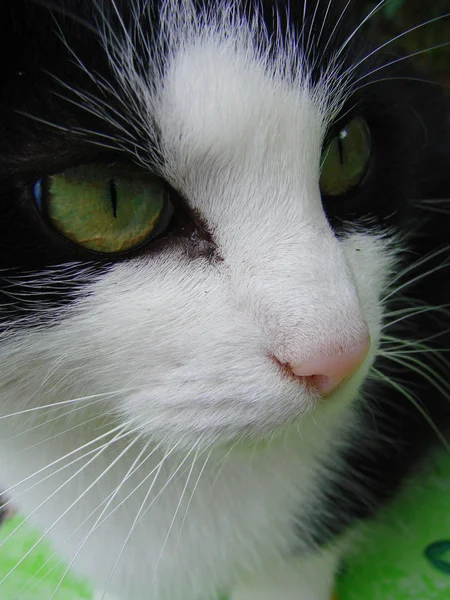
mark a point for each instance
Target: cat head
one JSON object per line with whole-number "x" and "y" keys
{"x": 195, "y": 198}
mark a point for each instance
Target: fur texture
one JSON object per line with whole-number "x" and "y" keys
{"x": 143, "y": 419}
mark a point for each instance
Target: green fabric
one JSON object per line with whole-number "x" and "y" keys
{"x": 36, "y": 577}
{"x": 404, "y": 556}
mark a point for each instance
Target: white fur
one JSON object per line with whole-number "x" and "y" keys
{"x": 178, "y": 350}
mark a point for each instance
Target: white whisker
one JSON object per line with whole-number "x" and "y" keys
{"x": 86, "y": 490}
{"x": 415, "y": 280}
{"x": 224, "y": 459}
{"x": 420, "y": 262}
{"x": 105, "y": 508}
{"x": 47, "y": 422}
{"x": 319, "y": 37}
{"x": 413, "y": 313}
{"x": 436, "y": 380}
{"x": 55, "y": 405}
{"x": 136, "y": 519}
{"x": 394, "y": 62}
{"x": 311, "y": 27}
{"x": 416, "y": 403}
{"x": 119, "y": 428}
{"x": 180, "y": 530}
{"x": 336, "y": 25}
{"x": 175, "y": 514}
{"x": 91, "y": 514}
{"x": 134, "y": 490}
{"x": 361, "y": 24}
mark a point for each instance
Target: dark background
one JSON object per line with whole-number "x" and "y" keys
{"x": 397, "y": 16}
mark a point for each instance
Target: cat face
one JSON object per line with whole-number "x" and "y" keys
{"x": 176, "y": 338}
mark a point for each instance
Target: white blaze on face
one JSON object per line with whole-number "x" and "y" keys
{"x": 245, "y": 149}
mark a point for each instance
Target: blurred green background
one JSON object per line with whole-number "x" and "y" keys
{"x": 397, "y": 16}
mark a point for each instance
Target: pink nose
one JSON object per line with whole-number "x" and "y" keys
{"x": 326, "y": 373}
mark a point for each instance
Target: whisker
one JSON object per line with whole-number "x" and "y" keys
{"x": 415, "y": 280}
{"x": 107, "y": 31}
{"x": 119, "y": 428}
{"x": 395, "y": 61}
{"x": 338, "y": 21}
{"x": 89, "y": 107}
{"x": 91, "y": 514}
{"x": 192, "y": 495}
{"x": 445, "y": 201}
{"x": 361, "y": 24}
{"x": 71, "y": 130}
{"x": 398, "y": 78}
{"x": 102, "y": 449}
{"x": 100, "y": 82}
{"x": 56, "y": 8}
{"x": 59, "y": 434}
{"x": 105, "y": 508}
{"x": 415, "y": 402}
{"x": 417, "y": 343}
{"x": 55, "y": 405}
{"x": 431, "y": 375}
{"x": 406, "y": 348}
{"x": 102, "y": 109}
{"x": 122, "y": 24}
{"x": 436, "y": 354}
{"x": 435, "y": 206}
{"x": 46, "y": 423}
{"x": 75, "y": 131}
{"x": 188, "y": 478}
{"x": 225, "y": 458}
{"x": 435, "y": 336}
{"x": 324, "y": 20}
{"x": 136, "y": 519}
{"x": 420, "y": 262}
{"x": 134, "y": 490}
{"x": 415, "y": 312}
{"x": 387, "y": 43}
{"x": 51, "y": 371}
{"x": 311, "y": 27}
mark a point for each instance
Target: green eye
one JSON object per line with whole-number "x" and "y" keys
{"x": 104, "y": 208}
{"x": 346, "y": 158}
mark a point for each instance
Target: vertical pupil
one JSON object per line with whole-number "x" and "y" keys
{"x": 113, "y": 196}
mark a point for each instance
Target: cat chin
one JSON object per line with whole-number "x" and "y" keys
{"x": 241, "y": 427}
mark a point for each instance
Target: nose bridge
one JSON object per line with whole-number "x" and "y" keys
{"x": 304, "y": 298}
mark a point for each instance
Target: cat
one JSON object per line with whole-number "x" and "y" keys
{"x": 223, "y": 288}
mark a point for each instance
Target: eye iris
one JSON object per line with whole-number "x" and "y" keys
{"x": 346, "y": 158}
{"x": 105, "y": 209}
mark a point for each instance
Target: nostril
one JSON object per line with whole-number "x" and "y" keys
{"x": 327, "y": 372}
